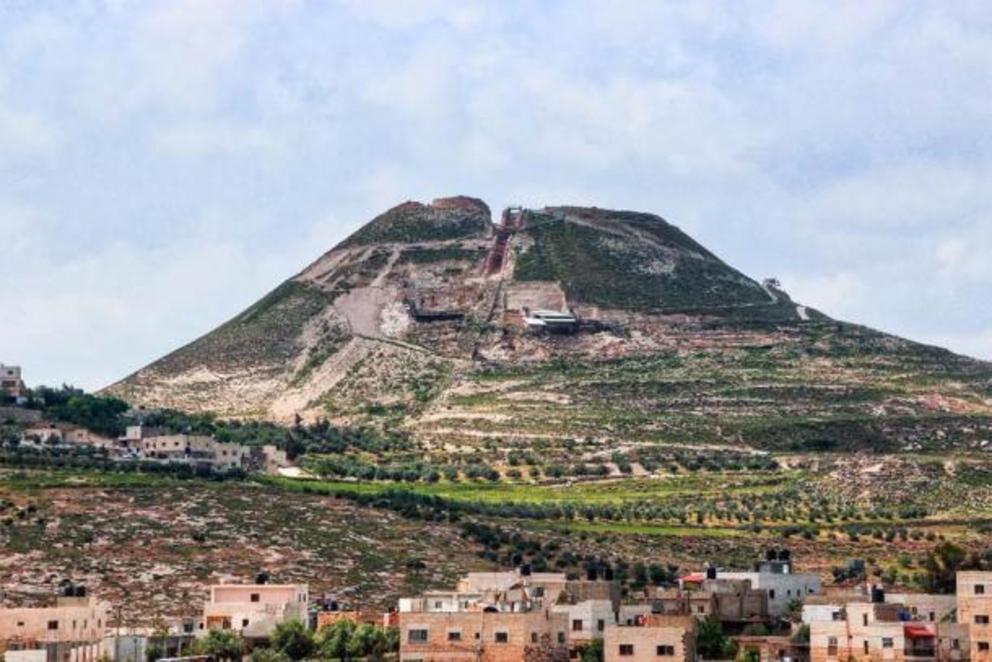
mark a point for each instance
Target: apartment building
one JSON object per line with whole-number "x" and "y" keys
{"x": 714, "y": 592}
{"x": 197, "y": 450}
{"x": 776, "y": 576}
{"x": 651, "y": 637}
{"x": 482, "y": 636}
{"x": 974, "y": 604}
{"x": 71, "y": 630}
{"x": 874, "y": 630}
{"x": 587, "y": 620}
{"x": 505, "y": 616}
{"x": 254, "y": 610}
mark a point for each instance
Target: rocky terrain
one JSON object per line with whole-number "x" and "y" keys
{"x": 418, "y": 321}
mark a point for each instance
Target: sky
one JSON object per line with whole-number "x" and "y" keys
{"x": 163, "y": 164}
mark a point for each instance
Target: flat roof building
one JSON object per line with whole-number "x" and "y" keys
{"x": 254, "y": 610}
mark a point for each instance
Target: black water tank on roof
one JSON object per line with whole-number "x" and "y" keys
{"x": 525, "y": 570}
{"x": 771, "y": 555}
{"x": 711, "y": 572}
{"x": 784, "y": 555}
{"x": 877, "y": 594}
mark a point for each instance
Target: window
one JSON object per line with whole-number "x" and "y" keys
{"x": 538, "y": 591}
{"x": 887, "y": 642}
{"x": 600, "y": 624}
{"x": 577, "y": 625}
{"x": 836, "y": 616}
{"x": 983, "y": 645}
{"x": 864, "y": 619}
{"x": 255, "y": 597}
{"x": 979, "y": 589}
{"x": 771, "y": 594}
{"x": 866, "y": 646}
{"x": 416, "y": 636}
{"x": 956, "y": 644}
{"x": 533, "y": 637}
{"x": 244, "y": 622}
{"x": 437, "y": 604}
{"x": 478, "y": 635}
{"x": 20, "y": 624}
{"x": 561, "y": 637}
{"x": 665, "y": 651}
{"x": 626, "y": 649}
{"x": 53, "y": 625}
{"x": 832, "y": 646}
{"x": 455, "y": 635}
{"x": 982, "y": 619}
{"x": 700, "y": 609}
{"x": 501, "y": 637}
{"x": 932, "y": 616}
{"x": 73, "y": 624}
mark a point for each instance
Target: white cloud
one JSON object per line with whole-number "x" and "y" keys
{"x": 151, "y": 150}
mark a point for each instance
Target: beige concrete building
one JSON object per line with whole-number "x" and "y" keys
{"x": 702, "y": 594}
{"x": 870, "y": 631}
{"x": 254, "y": 610}
{"x": 10, "y": 381}
{"x": 587, "y": 620}
{"x": 651, "y": 637}
{"x": 778, "y": 579}
{"x": 69, "y": 631}
{"x": 193, "y": 449}
{"x": 506, "y": 616}
{"x": 974, "y": 603}
{"x": 482, "y": 636}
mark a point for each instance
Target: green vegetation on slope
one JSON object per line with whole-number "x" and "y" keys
{"x": 411, "y": 222}
{"x": 265, "y": 334}
{"x": 597, "y": 267}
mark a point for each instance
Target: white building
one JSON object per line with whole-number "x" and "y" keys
{"x": 587, "y": 620}
{"x": 775, "y": 577}
{"x": 254, "y": 610}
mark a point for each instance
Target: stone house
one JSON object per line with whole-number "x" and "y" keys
{"x": 482, "y": 635}
{"x": 71, "y": 630}
{"x": 254, "y": 610}
{"x": 651, "y": 637}
{"x": 873, "y": 629}
{"x": 974, "y": 604}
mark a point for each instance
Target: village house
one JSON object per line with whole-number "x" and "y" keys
{"x": 587, "y": 620}
{"x": 135, "y": 434}
{"x": 197, "y": 450}
{"x": 776, "y": 577}
{"x": 770, "y": 648}
{"x": 870, "y": 627}
{"x": 53, "y": 433}
{"x": 651, "y": 637}
{"x": 10, "y": 381}
{"x": 254, "y": 610}
{"x": 974, "y": 605}
{"x": 481, "y": 635}
{"x": 503, "y": 615}
{"x": 712, "y": 592}
{"x": 71, "y": 630}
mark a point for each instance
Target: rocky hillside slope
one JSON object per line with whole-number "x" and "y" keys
{"x": 427, "y": 319}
